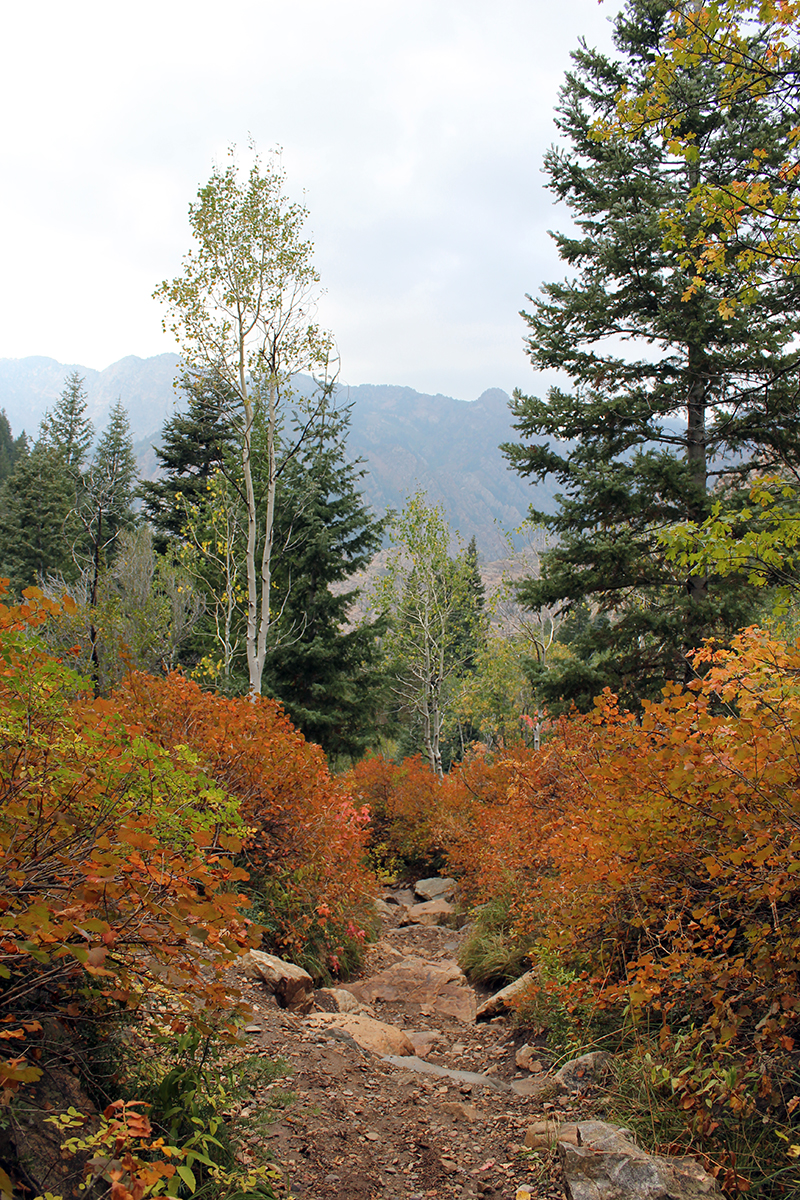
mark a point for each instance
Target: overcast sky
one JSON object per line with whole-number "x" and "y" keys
{"x": 412, "y": 129}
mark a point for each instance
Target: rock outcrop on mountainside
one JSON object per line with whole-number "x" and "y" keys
{"x": 410, "y": 441}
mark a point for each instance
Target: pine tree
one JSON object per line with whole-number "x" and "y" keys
{"x": 11, "y": 449}
{"x": 37, "y": 520}
{"x": 670, "y": 399}
{"x": 469, "y": 626}
{"x": 195, "y": 445}
{"x": 469, "y": 632}
{"x": 66, "y": 428}
{"x": 324, "y": 669}
{"x": 106, "y": 509}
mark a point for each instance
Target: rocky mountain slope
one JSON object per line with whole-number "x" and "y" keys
{"x": 410, "y": 441}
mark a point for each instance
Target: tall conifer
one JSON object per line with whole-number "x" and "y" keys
{"x": 323, "y": 667}
{"x": 195, "y": 444}
{"x": 669, "y": 400}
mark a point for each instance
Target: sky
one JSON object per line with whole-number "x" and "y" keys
{"x": 413, "y": 131}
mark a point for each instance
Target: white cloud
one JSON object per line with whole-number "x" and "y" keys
{"x": 414, "y": 129}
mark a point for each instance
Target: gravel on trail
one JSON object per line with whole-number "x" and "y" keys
{"x": 448, "y": 1122}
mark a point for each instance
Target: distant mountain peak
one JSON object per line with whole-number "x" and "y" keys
{"x": 410, "y": 440}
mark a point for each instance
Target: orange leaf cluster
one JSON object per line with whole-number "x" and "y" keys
{"x": 658, "y": 857}
{"x": 305, "y": 839}
{"x": 128, "y": 828}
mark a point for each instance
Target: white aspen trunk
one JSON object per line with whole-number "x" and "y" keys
{"x": 229, "y": 607}
{"x": 266, "y": 554}
{"x": 252, "y": 584}
{"x": 427, "y": 679}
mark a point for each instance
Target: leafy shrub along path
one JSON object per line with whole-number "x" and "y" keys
{"x": 358, "y": 1126}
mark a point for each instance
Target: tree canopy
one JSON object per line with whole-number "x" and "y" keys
{"x": 673, "y": 393}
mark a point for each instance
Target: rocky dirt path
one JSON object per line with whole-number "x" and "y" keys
{"x": 440, "y": 1108}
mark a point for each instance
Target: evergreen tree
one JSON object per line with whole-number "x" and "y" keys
{"x": 66, "y": 428}
{"x": 195, "y": 445}
{"x": 109, "y": 483}
{"x": 11, "y": 449}
{"x": 469, "y": 627}
{"x": 669, "y": 399}
{"x": 469, "y": 623}
{"x": 37, "y": 520}
{"x": 324, "y": 669}
{"x": 106, "y": 509}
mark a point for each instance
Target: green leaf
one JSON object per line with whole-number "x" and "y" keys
{"x": 187, "y": 1175}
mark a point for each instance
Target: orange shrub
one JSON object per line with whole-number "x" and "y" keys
{"x": 407, "y": 805}
{"x": 116, "y": 873}
{"x": 305, "y": 843}
{"x": 659, "y": 858}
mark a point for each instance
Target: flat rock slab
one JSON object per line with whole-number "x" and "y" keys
{"x": 431, "y": 912}
{"x": 606, "y": 1164}
{"x": 434, "y": 988}
{"x": 372, "y": 1035}
{"x": 421, "y": 1067}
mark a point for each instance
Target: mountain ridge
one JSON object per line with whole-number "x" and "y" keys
{"x": 411, "y": 441}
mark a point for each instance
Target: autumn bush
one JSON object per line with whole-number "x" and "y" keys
{"x": 141, "y": 835}
{"x": 649, "y": 867}
{"x": 304, "y": 845}
{"x": 117, "y": 871}
{"x": 407, "y": 806}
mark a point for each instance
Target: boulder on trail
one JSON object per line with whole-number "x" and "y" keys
{"x": 337, "y": 1000}
{"x": 434, "y": 988}
{"x": 505, "y": 999}
{"x": 292, "y": 987}
{"x": 431, "y": 912}
{"x": 576, "y": 1073}
{"x": 372, "y": 1035}
{"x": 435, "y": 889}
{"x": 606, "y": 1163}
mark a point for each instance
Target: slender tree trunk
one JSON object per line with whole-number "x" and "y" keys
{"x": 269, "y": 528}
{"x": 93, "y": 636}
{"x": 253, "y": 670}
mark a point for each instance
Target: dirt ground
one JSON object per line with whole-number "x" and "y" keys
{"x": 352, "y": 1125}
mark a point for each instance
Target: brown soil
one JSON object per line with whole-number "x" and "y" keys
{"x": 357, "y": 1127}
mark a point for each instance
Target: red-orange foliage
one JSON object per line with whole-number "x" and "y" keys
{"x": 406, "y": 803}
{"x": 124, "y": 824}
{"x": 660, "y": 856}
{"x": 305, "y": 839}
{"x": 115, "y": 867}
{"x": 663, "y": 854}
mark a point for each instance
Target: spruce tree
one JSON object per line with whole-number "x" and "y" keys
{"x": 11, "y": 449}
{"x": 324, "y": 669}
{"x": 469, "y": 624}
{"x": 109, "y": 484}
{"x": 66, "y": 427}
{"x": 195, "y": 445}
{"x": 37, "y": 520}
{"x": 670, "y": 400}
